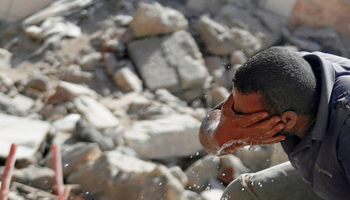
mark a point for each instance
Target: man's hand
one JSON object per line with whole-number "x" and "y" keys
{"x": 225, "y": 125}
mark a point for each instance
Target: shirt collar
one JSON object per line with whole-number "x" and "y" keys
{"x": 327, "y": 76}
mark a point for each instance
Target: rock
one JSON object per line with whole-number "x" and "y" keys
{"x": 154, "y": 19}
{"x": 67, "y": 123}
{"x": 7, "y": 105}
{"x": 74, "y": 156}
{"x": 256, "y": 158}
{"x": 87, "y": 133}
{"x": 145, "y": 108}
{"x": 214, "y": 63}
{"x": 161, "y": 138}
{"x": 5, "y": 59}
{"x": 110, "y": 62}
{"x": 23, "y": 103}
{"x": 278, "y": 155}
{"x": 66, "y": 91}
{"x": 303, "y": 44}
{"x": 231, "y": 167}
{"x": 53, "y": 26}
{"x": 211, "y": 194}
{"x": 53, "y": 113}
{"x": 126, "y": 79}
{"x": 238, "y": 57}
{"x": 199, "y": 7}
{"x": 91, "y": 61}
{"x": 219, "y": 94}
{"x": 55, "y": 9}
{"x": 74, "y": 74}
{"x": 39, "y": 83}
{"x": 222, "y": 78}
{"x": 27, "y": 133}
{"x": 326, "y": 36}
{"x": 177, "y": 172}
{"x": 123, "y": 20}
{"x": 7, "y": 86}
{"x": 221, "y": 40}
{"x": 200, "y": 172}
{"x": 116, "y": 134}
{"x": 173, "y": 62}
{"x": 189, "y": 195}
{"x": 122, "y": 177}
{"x": 95, "y": 113}
{"x": 38, "y": 177}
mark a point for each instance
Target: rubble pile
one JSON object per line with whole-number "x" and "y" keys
{"x": 122, "y": 87}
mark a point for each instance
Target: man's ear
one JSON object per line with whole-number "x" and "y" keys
{"x": 289, "y": 118}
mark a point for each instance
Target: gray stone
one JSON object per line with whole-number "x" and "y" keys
{"x": 27, "y": 133}
{"x": 87, "y": 133}
{"x": 161, "y": 138}
{"x": 221, "y": 40}
{"x": 173, "y": 62}
{"x": 7, "y": 86}
{"x": 95, "y": 113}
{"x": 23, "y": 103}
{"x": 126, "y": 79}
{"x": 38, "y": 177}
{"x": 177, "y": 172}
{"x": 190, "y": 195}
{"x": 200, "y": 172}
{"x": 219, "y": 94}
{"x": 66, "y": 91}
{"x": 199, "y": 7}
{"x": 303, "y": 44}
{"x": 256, "y": 158}
{"x": 122, "y": 177}
{"x": 67, "y": 123}
{"x": 222, "y": 78}
{"x": 116, "y": 134}
{"x": 214, "y": 63}
{"x": 7, "y": 105}
{"x": 91, "y": 61}
{"x": 5, "y": 59}
{"x": 211, "y": 194}
{"x": 238, "y": 57}
{"x": 231, "y": 167}
{"x": 74, "y": 156}
{"x": 74, "y": 74}
{"x": 326, "y": 36}
{"x": 39, "y": 83}
{"x": 154, "y": 19}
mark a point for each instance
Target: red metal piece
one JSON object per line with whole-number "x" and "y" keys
{"x": 7, "y": 175}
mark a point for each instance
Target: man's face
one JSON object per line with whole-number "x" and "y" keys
{"x": 251, "y": 103}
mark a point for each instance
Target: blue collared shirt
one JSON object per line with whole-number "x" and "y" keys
{"x": 323, "y": 154}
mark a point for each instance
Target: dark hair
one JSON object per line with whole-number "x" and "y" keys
{"x": 284, "y": 79}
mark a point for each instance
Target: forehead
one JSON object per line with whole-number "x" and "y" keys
{"x": 247, "y": 103}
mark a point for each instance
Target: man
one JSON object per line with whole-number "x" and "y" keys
{"x": 300, "y": 100}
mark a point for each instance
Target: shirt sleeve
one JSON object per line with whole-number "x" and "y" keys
{"x": 344, "y": 147}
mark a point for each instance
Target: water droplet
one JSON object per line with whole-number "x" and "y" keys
{"x": 87, "y": 192}
{"x": 242, "y": 189}
{"x": 223, "y": 174}
{"x": 267, "y": 160}
{"x": 191, "y": 157}
{"x": 141, "y": 197}
{"x": 205, "y": 96}
{"x": 66, "y": 165}
{"x": 272, "y": 180}
{"x": 197, "y": 153}
{"x": 160, "y": 183}
{"x": 189, "y": 187}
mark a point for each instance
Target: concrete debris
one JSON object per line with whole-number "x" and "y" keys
{"x": 122, "y": 87}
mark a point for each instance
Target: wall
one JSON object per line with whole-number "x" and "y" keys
{"x": 14, "y": 10}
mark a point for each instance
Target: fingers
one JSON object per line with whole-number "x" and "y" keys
{"x": 266, "y": 125}
{"x": 252, "y": 119}
{"x": 272, "y": 140}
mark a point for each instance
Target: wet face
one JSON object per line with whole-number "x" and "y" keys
{"x": 251, "y": 103}
{"x": 247, "y": 104}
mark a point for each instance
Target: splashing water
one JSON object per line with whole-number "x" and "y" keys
{"x": 227, "y": 144}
